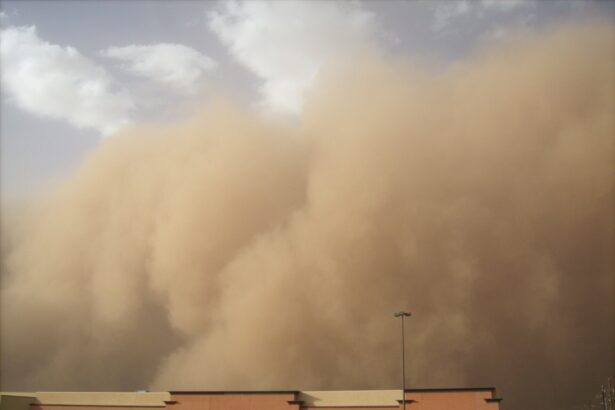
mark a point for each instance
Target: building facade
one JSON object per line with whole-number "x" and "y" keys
{"x": 416, "y": 399}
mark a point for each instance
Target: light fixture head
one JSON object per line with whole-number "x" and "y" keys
{"x": 398, "y": 314}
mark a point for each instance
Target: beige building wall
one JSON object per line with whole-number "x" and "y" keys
{"x": 147, "y": 399}
{"x": 84, "y": 401}
{"x": 88, "y": 407}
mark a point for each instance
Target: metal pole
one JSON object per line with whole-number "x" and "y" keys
{"x": 403, "y": 357}
{"x": 403, "y": 364}
{"x": 604, "y": 398}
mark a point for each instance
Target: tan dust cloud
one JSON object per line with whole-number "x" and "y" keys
{"x": 229, "y": 252}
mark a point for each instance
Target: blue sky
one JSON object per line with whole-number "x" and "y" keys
{"x": 75, "y": 73}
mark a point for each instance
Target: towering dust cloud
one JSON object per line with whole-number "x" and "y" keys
{"x": 228, "y": 252}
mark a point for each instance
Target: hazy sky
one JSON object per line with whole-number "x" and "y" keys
{"x": 75, "y": 72}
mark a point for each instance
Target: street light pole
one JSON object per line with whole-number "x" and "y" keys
{"x": 403, "y": 357}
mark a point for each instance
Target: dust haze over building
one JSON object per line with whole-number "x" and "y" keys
{"x": 233, "y": 251}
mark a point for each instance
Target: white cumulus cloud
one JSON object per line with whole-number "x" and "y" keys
{"x": 285, "y": 43}
{"x": 176, "y": 65}
{"x": 57, "y": 82}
